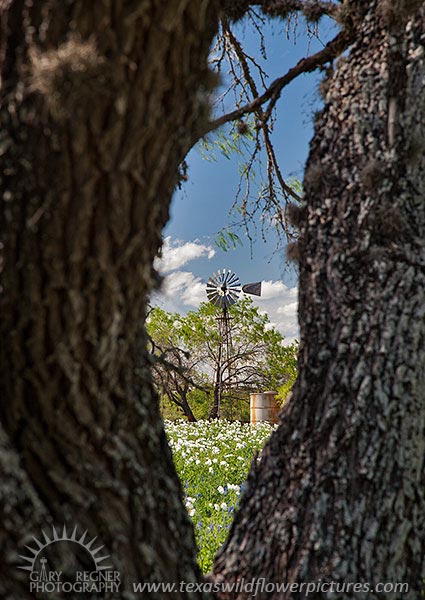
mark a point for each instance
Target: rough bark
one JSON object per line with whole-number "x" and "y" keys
{"x": 340, "y": 493}
{"x": 100, "y": 103}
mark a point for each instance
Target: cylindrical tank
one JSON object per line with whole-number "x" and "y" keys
{"x": 264, "y": 407}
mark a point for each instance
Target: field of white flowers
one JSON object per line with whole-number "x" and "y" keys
{"x": 212, "y": 459}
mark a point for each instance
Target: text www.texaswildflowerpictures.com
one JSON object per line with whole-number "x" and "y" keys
{"x": 261, "y": 586}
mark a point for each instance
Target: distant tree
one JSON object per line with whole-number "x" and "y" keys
{"x": 187, "y": 348}
{"x": 173, "y": 368}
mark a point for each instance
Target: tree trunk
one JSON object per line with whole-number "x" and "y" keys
{"x": 340, "y": 493}
{"x": 187, "y": 411}
{"x": 181, "y": 401}
{"x": 100, "y": 103}
{"x": 218, "y": 386}
{"x": 215, "y": 410}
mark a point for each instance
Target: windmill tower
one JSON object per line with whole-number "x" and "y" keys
{"x": 223, "y": 290}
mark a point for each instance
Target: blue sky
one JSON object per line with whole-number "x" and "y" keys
{"x": 201, "y": 208}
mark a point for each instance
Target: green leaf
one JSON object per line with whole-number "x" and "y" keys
{"x": 227, "y": 240}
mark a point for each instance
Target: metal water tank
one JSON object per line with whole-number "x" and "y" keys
{"x": 264, "y": 407}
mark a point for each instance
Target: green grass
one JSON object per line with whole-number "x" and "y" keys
{"x": 212, "y": 459}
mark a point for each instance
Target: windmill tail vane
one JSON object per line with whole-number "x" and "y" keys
{"x": 252, "y": 288}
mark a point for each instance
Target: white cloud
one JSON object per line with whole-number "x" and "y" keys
{"x": 186, "y": 286}
{"x": 180, "y": 291}
{"x": 280, "y": 302}
{"x": 176, "y": 254}
{"x": 277, "y": 289}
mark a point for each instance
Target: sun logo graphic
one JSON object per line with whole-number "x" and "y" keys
{"x": 83, "y": 569}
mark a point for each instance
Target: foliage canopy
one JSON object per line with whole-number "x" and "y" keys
{"x": 185, "y": 351}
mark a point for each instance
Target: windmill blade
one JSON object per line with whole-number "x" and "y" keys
{"x": 234, "y": 294}
{"x": 212, "y": 294}
{"x": 227, "y": 277}
{"x": 234, "y": 287}
{"x": 211, "y": 287}
{"x": 234, "y": 283}
{"x": 212, "y": 290}
{"x": 252, "y": 288}
{"x": 233, "y": 279}
{"x": 213, "y": 297}
{"x": 211, "y": 284}
{"x": 216, "y": 299}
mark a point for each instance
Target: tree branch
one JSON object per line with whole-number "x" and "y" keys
{"x": 273, "y": 92}
{"x": 312, "y": 10}
{"x": 262, "y": 119}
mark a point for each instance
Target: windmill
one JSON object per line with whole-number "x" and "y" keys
{"x": 223, "y": 290}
